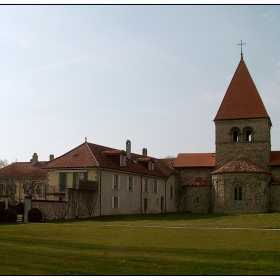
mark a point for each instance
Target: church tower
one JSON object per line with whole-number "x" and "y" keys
{"x": 242, "y": 123}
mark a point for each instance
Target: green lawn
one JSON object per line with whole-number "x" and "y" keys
{"x": 165, "y": 244}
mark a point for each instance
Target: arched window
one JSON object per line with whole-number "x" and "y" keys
{"x": 235, "y": 134}
{"x": 248, "y": 134}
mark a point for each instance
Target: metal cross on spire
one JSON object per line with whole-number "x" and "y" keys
{"x": 241, "y": 48}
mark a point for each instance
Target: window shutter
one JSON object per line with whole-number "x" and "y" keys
{"x": 133, "y": 183}
{"x": 85, "y": 175}
{"x": 74, "y": 180}
{"x": 62, "y": 181}
{"x": 113, "y": 202}
{"x": 118, "y": 202}
{"x": 119, "y": 182}
{"x": 113, "y": 177}
{"x": 127, "y": 183}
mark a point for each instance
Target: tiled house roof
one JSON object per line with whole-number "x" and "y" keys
{"x": 241, "y": 165}
{"x": 242, "y": 99}
{"x": 21, "y": 170}
{"x": 198, "y": 182}
{"x": 89, "y": 155}
{"x": 274, "y": 158}
{"x": 195, "y": 160}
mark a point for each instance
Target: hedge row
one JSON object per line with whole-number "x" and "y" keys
{"x": 10, "y": 215}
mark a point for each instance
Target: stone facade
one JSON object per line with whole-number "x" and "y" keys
{"x": 257, "y": 149}
{"x": 197, "y": 199}
{"x": 240, "y": 193}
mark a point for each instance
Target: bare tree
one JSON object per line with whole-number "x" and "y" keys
{"x": 3, "y": 163}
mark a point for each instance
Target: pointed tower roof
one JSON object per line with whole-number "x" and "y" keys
{"x": 242, "y": 100}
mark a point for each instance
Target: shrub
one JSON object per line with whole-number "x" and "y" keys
{"x": 10, "y": 216}
{"x": 35, "y": 215}
{"x": 2, "y": 210}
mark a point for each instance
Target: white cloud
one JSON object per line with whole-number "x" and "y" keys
{"x": 271, "y": 15}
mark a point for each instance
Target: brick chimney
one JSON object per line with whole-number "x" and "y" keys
{"x": 128, "y": 149}
{"x": 51, "y": 157}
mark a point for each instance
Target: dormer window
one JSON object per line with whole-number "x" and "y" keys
{"x": 148, "y": 162}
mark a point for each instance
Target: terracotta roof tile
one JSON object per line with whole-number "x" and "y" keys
{"x": 195, "y": 160}
{"x": 23, "y": 170}
{"x": 241, "y": 165}
{"x": 274, "y": 158}
{"x": 242, "y": 99}
{"x": 90, "y": 155}
{"x": 198, "y": 182}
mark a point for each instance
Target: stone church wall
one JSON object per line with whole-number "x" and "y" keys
{"x": 190, "y": 173}
{"x": 197, "y": 199}
{"x": 257, "y": 150}
{"x": 274, "y": 198}
{"x": 255, "y": 193}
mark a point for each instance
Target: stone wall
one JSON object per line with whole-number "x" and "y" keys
{"x": 255, "y": 193}
{"x": 190, "y": 173}
{"x": 197, "y": 199}
{"x": 274, "y": 198}
{"x": 257, "y": 150}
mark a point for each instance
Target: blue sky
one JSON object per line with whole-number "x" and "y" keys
{"x": 153, "y": 74}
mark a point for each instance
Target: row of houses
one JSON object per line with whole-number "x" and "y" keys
{"x": 242, "y": 175}
{"x": 123, "y": 182}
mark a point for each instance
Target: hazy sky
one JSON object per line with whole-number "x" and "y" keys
{"x": 153, "y": 74}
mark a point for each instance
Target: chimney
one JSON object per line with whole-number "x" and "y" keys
{"x": 51, "y": 157}
{"x": 144, "y": 152}
{"x": 128, "y": 149}
{"x": 34, "y": 159}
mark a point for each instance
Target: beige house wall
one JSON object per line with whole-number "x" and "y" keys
{"x": 129, "y": 201}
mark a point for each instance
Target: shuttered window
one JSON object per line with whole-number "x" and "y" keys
{"x": 62, "y": 181}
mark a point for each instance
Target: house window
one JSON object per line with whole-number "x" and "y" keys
{"x": 40, "y": 190}
{"x": 237, "y": 193}
{"x": 115, "y": 202}
{"x": 62, "y": 181}
{"x": 155, "y": 186}
{"x": 116, "y": 182}
{"x": 130, "y": 183}
{"x": 171, "y": 192}
{"x": 146, "y": 185}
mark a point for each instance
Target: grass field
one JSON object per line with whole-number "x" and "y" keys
{"x": 165, "y": 244}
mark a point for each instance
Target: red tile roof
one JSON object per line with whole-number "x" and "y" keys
{"x": 89, "y": 155}
{"x": 241, "y": 165}
{"x": 21, "y": 170}
{"x": 195, "y": 160}
{"x": 275, "y": 182}
{"x": 198, "y": 182}
{"x": 242, "y": 99}
{"x": 274, "y": 158}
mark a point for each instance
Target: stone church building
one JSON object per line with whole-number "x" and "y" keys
{"x": 243, "y": 174}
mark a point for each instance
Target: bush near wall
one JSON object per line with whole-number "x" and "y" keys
{"x": 2, "y": 210}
